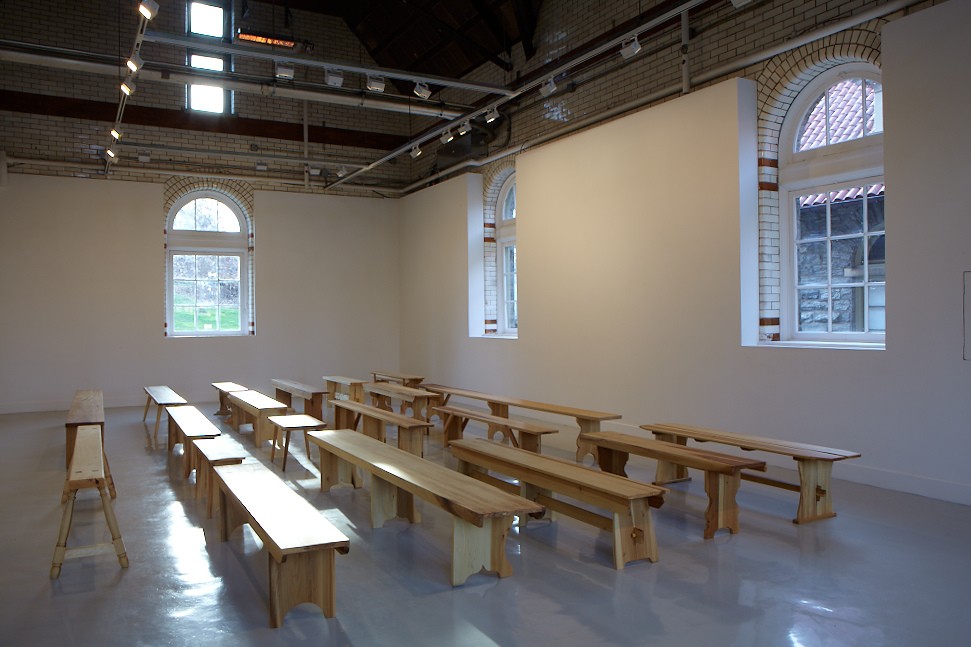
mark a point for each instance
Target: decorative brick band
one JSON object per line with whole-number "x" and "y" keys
{"x": 768, "y": 186}
{"x": 769, "y": 321}
{"x": 768, "y": 162}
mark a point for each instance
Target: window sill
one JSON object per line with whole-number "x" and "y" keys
{"x": 797, "y": 343}
{"x": 496, "y": 336}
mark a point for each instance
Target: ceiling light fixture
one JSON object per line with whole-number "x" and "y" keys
{"x": 492, "y": 115}
{"x": 115, "y": 133}
{"x": 261, "y": 166}
{"x": 422, "y": 90}
{"x": 375, "y": 83}
{"x": 447, "y": 136}
{"x": 415, "y": 152}
{"x": 334, "y": 78}
{"x": 284, "y": 71}
{"x": 342, "y": 171}
{"x": 630, "y": 48}
{"x": 128, "y": 87}
{"x": 547, "y": 88}
{"x": 135, "y": 62}
{"x": 148, "y": 8}
{"x": 111, "y": 155}
{"x": 465, "y": 127}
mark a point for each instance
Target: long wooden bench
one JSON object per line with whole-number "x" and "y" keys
{"x": 223, "y": 389}
{"x": 588, "y": 420}
{"x": 530, "y": 434}
{"x": 87, "y": 471}
{"x": 344, "y": 388}
{"x": 312, "y": 396}
{"x": 404, "y": 379}
{"x": 418, "y": 400}
{"x": 87, "y": 408}
{"x": 482, "y": 514}
{"x": 541, "y": 476}
{"x": 300, "y": 542}
{"x": 210, "y": 452}
{"x": 722, "y": 471}
{"x": 348, "y": 414}
{"x": 254, "y": 407}
{"x": 815, "y": 464}
{"x": 163, "y": 397}
{"x": 186, "y": 423}
{"x": 288, "y": 424}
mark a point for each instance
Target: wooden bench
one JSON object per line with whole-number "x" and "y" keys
{"x": 300, "y": 542}
{"x": 344, "y": 388}
{"x": 815, "y": 464}
{"x": 418, "y": 400}
{"x": 87, "y": 470}
{"x": 290, "y": 423}
{"x": 312, "y": 396}
{"x": 162, "y": 396}
{"x": 224, "y": 389}
{"x": 255, "y": 408}
{"x": 541, "y": 476}
{"x": 530, "y": 434}
{"x": 482, "y": 514}
{"x": 87, "y": 408}
{"x": 210, "y": 452}
{"x": 411, "y": 432}
{"x": 404, "y": 379}
{"x": 722, "y": 471}
{"x": 186, "y": 423}
{"x": 588, "y": 420}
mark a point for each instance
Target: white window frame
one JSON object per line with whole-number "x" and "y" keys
{"x": 858, "y": 162}
{"x": 181, "y": 242}
{"x": 505, "y": 238}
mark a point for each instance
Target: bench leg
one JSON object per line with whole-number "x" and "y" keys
{"x": 612, "y": 460}
{"x": 315, "y": 406}
{"x": 109, "y": 479}
{"x": 158, "y": 419}
{"x": 722, "y": 511}
{"x": 286, "y": 448}
{"x": 668, "y": 472}
{"x": 230, "y": 515}
{"x": 148, "y": 401}
{"x": 585, "y": 447}
{"x": 373, "y": 427}
{"x": 634, "y": 534}
{"x": 284, "y": 396}
{"x": 474, "y": 548}
{"x": 65, "y": 529}
{"x": 70, "y": 435}
{"x": 412, "y": 441}
{"x": 533, "y": 493}
{"x": 815, "y": 501}
{"x": 453, "y": 426}
{"x": 112, "y": 522}
{"x": 299, "y": 578}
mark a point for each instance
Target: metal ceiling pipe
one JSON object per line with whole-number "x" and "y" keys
{"x": 265, "y": 89}
{"x": 198, "y": 152}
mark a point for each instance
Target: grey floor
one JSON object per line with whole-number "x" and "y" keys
{"x": 891, "y": 569}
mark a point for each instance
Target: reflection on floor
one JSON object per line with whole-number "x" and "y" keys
{"x": 891, "y": 569}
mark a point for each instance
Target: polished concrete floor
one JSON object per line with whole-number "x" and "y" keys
{"x": 891, "y": 569}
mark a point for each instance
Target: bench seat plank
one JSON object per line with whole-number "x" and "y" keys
{"x": 411, "y": 431}
{"x": 224, "y": 389}
{"x": 186, "y": 423}
{"x": 482, "y": 514}
{"x": 340, "y": 387}
{"x": 255, "y": 408}
{"x": 162, "y": 396}
{"x": 87, "y": 408}
{"x": 627, "y": 500}
{"x": 312, "y": 396}
{"x": 300, "y": 542}
{"x": 530, "y": 434}
{"x": 210, "y": 452}
{"x": 405, "y": 379}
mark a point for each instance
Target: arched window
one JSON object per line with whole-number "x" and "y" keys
{"x": 831, "y": 184}
{"x": 506, "y": 265}
{"x": 207, "y": 267}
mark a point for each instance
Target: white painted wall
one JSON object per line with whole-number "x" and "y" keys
{"x": 629, "y": 280}
{"x": 81, "y": 281}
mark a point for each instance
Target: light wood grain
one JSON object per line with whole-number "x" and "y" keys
{"x": 187, "y": 423}
{"x": 223, "y": 389}
{"x": 289, "y": 424}
{"x": 312, "y": 396}
{"x": 209, "y": 452}
{"x": 162, "y": 396}
{"x": 344, "y": 388}
{"x": 405, "y": 379}
{"x": 348, "y": 414}
{"x": 530, "y": 433}
{"x": 254, "y": 407}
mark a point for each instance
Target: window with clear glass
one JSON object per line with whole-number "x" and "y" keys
{"x": 207, "y": 268}
{"x": 507, "y": 270}
{"x": 207, "y": 19}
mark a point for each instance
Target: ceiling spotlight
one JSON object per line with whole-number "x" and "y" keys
{"x": 135, "y": 62}
{"x": 422, "y": 91}
{"x": 144, "y": 157}
{"x": 547, "y": 88}
{"x": 465, "y": 127}
{"x": 492, "y": 115}
{"x": 313, "y": 170}
{"x": 630, "y": 48}
{"x": 375, "y": 83}
{"x": 128, "y": 87}
{"x": 415, "y": 152}
{"x": 116, "y": 133}
{"x": 111, "y": 155}
{"x": 334, "y": 78}
{"x": 447, "y": 136}
{"x": 342, "y": 171}
{"x": 261, "y": 166}
{"x": 148, "y": 8}
{"x": 284, "y": 71}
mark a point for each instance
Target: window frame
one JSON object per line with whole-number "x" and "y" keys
{"x": 505, "y": 239}
{"x": 228, "y": 97}
{"x": 853, "y": 163}
{"x": 189, "y": 242}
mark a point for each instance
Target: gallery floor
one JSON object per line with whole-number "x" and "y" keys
{"x": 891, "y": 569}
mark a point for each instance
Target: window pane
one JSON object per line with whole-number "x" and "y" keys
{"x": 213, "y": 63}
{"x": 228, "y": 221}
{"x": 509, "y": 204}
{"x": 812, "y": 263}
{"x": 206, "y": 293}
{"x": 206, "y": 267}
{"x": 876, "y": 258}
{"x": 813, "y": 310}
{"x": 186, "y": 218}
{"x": 847, "y": 261}
{"x": 205, "y": 19}
{"x": 183, "y": 267}
{"x": 206, "y": 318}
{"x": 206, "y": 214}
{"x": 845, "y": 111}
{"x": 874, "y": 108}
{"x": 185, "y": 318}
{"x": 229, "y": 319}
{"x": 877, "y": 310}
{"x": 229, "y": 293}
{"x": 812, "y": 131}
{"x": 512, "y": 316}
{"x": 184, "y": 293}
{"x": 207, "y": 98}
{"x": 846, "y": 212}
{"x": 847, "y": 309}
{"x": 229, "y": 268}
{"x": 874, "y": 209}
{"x": 812, "y": 216}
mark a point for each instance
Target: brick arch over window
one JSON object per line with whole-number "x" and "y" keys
{"x": 494, "y": 180}
{"x": 779, "y": 83}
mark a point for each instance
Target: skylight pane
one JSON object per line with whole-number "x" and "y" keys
{"x": 206, "y": 20}
{"x": 207, "y": 62}
{"x": 207, "y": 98}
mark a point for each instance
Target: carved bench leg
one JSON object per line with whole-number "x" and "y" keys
{"x": 299, "y": 578}
{"x": 668, "y": 472}
{"x": 65, "y": 529}
{"x": 389, "y": 501}
{"x": 474, "y": 548}
{"x": 612, "y": 460}
{"x": 112, "y": 522}
{"x": 815, "y": 501}
{"x": 634, "y": 534}
{"x": 722, "y": 511}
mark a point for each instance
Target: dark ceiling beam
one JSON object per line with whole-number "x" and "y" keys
{"x": 459, "y": 37}
{"x": 526, "y": 18}
{"x": 41, "y": 104}
{"x": 488, "y": 16}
